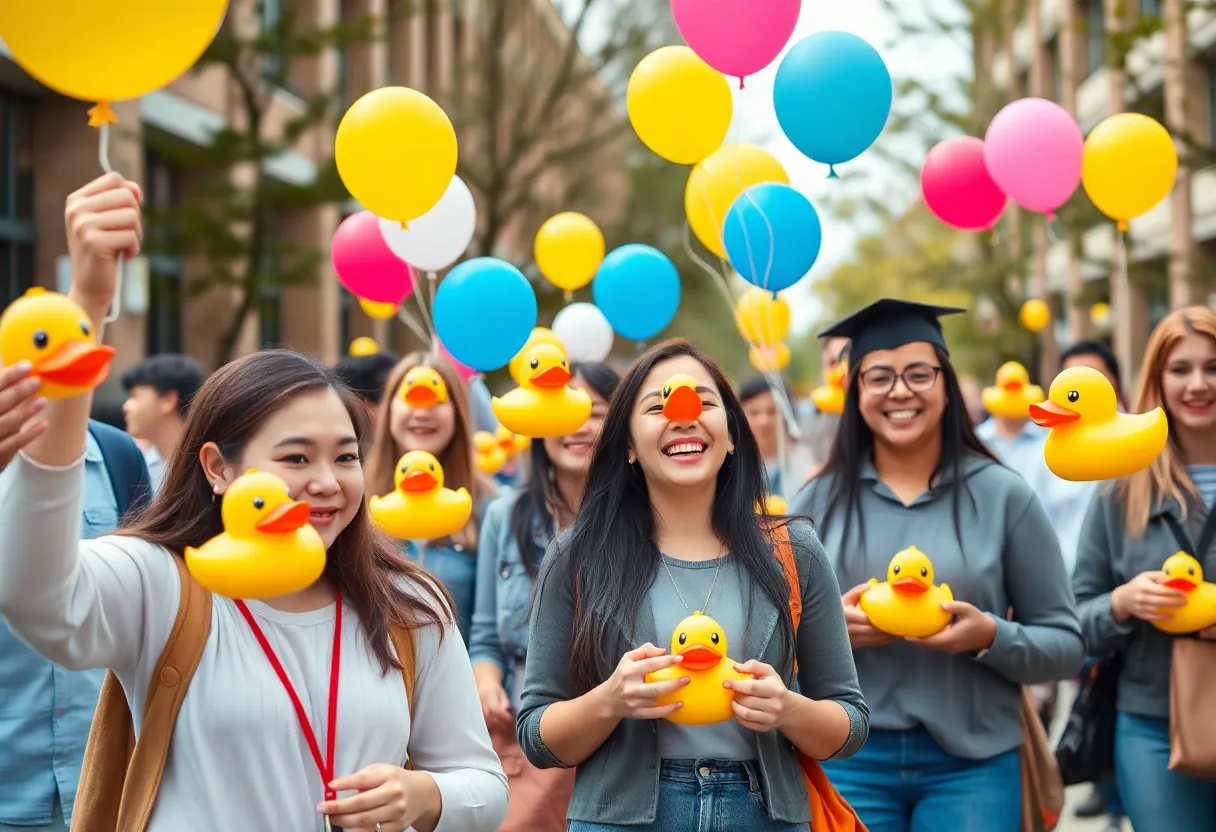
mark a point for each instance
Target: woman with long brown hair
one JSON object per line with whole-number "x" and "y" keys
{"x": 1129, "y": 531}
{"x": 446, "y": 431}
{"x": 277, "y": 676}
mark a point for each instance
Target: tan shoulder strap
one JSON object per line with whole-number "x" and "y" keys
{"x": 403, "y": 643}
{"x": 121, "y": 777}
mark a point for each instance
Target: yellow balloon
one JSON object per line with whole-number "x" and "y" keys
{"x": 540, "y": 335}
{"x": 1035, "y": 315}
{"x": 569, "y": 249}
{"x": 769, "y": 359}
{"x": 1129, "y": 166}
{"x": 108, "y": 51}
{"x": 377, "y": 311}
{"x": 762, "y": 319}
{"x": 715, "y": 184}
{"x": 679, "y": 106}
{"x": 364, "y": 346}
{"x": 396, "y": 153}
{"x": 1099, "y": 314}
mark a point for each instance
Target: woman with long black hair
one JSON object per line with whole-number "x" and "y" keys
{"x": 515, "y": 533}
{"x": 906, "y": 469}
{"x": 668, "y": 527}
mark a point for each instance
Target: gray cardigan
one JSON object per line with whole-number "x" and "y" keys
{"x": 619, "y": 783}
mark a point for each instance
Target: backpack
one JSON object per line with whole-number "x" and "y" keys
{"x": 120, "y": 776}
{"x": 125, "y": 465}
{"x": 830, "y": 812}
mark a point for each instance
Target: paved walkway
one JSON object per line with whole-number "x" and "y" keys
{"x": 1077, "y": 794}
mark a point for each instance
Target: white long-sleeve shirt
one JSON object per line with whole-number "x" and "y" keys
{"x": 238, "y": 758}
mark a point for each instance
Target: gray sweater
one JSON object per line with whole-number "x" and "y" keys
{"x": 619, "y": 783}
{"x": 1009, "y": 556}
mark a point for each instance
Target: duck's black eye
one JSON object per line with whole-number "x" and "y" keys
{"x": 1190, "y": 571}
{"x": 85, "y": 328}
{"x": 924, "y": 571}
{"x": 41, "y": 339}
{"x": 896, "y": 570}
{"x": 434, "y": 382}
{"x": 432, "y": 466}
{"x": 259, "y": 503}
{"x": 534, "y": 363}
{"x": 563, "y": 362}
{"x": 683, "y": 637}
{"x": 1073, "y": 395}
{"x": 404, "y": 468}
{"x": 666, "y": 392}
{"x": 714, "y": 638}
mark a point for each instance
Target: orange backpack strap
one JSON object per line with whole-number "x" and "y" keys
{"x": 121, "y": 777}
{"x": 403, "y": 643}
{"x": 780, "y": 535}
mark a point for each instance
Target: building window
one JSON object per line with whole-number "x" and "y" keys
{"x": 275, "y": 65}
{"x": 1095, "y": 25}
{"x": 16, "y": 198}
{"x": 166, "y": 268}
{"x": 1150, "y": 8}
{"x": 431, "y": 24}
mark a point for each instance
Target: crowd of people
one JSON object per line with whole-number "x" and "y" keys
{"x": 525, "y": 673}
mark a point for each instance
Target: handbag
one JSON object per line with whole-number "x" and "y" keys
{"x": 1086, "y": 750}
{"x": 1042, "y": 789}
{"x": 1192, "y": 679}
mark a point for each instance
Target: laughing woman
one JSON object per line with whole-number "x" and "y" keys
{"x": 666, "y": 528}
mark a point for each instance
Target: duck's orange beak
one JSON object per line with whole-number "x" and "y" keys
{"x": 551, "y": 378}
{"x": 286, "y": 518}
{"x": 421, "y": 395}
{"x": 1048, "y": 414}
{"x": 416, "y": 482}
{"x": 1180, "y": 583}
{"x": 909, "y": 586}
{"x": 683, "y": 405}
{"x": 76, "y": 364}
{"x": 1013, "y": 386}
{"x": 700, "y": 657}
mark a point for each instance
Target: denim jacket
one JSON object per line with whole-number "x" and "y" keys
{"x": 455, "y": 567}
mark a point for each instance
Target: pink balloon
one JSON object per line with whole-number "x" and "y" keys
{"x": 366, "y": 265}
{"x": 1033, "y": 149}
{"x": 736, "y": 37}
{"x": 466, "y": 373}
{"x": 957, "y": 187}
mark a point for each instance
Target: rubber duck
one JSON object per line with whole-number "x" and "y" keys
{"x": 1013, "y": 394}
{"x": 830, "y": 397}
{"x": 1089, "y": 439}
{"x": 1185, "y": 573}
{"x": 423, "y": 387}
{"x": 907, "y": 605}
{"x": 702, "y": 643}
{"x": 680, "y": 399}
{"x": 522, "y": 443}
{"x": 487, "y": 453}
{"x": 543, "y": 405}
{"x": 54, "y": 334}
{"x": 773, "y": 504}
{"x": 769, "y": 359}
{"x": 267, "y": 547}
{"x": 420, "y": 508}
{"x": 506, "y": 441}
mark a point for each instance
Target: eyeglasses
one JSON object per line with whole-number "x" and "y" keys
{"x": 918, "y": 378}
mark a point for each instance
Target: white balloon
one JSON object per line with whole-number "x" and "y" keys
{"x": 585, "y": 331}
{"x": 439, "y": 237}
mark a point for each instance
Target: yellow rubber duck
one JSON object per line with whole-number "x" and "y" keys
{"x": 702, "y": 643}
{"x": 543, "y": 405}
{"x": 267, "y": 548}
{"x": 506, "y": 441}
{"x": 1013, "y": 394}
{"x": 487, "y": 453}
{"x": 54, "y": 334}
{"x": 774, "y": 504}
{"x": 680, "y": 399}
{"x": 1185, "y": 573}
{"x": 522, "y": 443}
{"x": 420, "y": 508}
{"x": 908, "y": 605}
{"x": 1090, "y": 440}
{"x": 830, "y": 397}
{"x": 423, "y": 387}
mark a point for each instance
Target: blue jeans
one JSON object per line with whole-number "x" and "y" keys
{"x": 705, "y": 796}
{"x": 1155, "y": 798}
{"x": 902, "y": 781}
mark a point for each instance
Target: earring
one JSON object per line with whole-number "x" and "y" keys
{"x": 632, "y": 459}
{"x": 215, "y": 494}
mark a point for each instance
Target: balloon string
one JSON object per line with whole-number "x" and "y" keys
{"x": 432, "y": 281}
{"x": 1053, "y": 229}
{"x": 103, "y": 156}
{"x": 1125, "y": 287}
{"x": 406, "y": 318}
{"x": 428, "y": 336}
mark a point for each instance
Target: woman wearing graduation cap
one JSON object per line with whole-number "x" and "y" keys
{"x": 906, "y": 469}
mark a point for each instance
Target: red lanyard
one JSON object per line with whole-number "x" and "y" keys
{"x": 326, "y": 765}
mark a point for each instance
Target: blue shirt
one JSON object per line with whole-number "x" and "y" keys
{"x": 45, "y": 710}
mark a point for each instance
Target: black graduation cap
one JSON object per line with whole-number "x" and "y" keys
{"x": 890, "y": 323}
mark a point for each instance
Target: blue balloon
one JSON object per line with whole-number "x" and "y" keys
{"x": 832, "y": 94}
{"x": 485, "y": 310}
{"x": 638, "y": 289}
{"x": 772, "y": 236}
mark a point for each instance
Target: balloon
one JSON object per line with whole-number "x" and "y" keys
{"x": 585, "y": 331}
{"x": 111, "y": 51}
{"x": 483, "y": 312}
{"x": 957, "y": 187}
{"x": 464, "y": 372}
{"x": 569, "y": 248}
{"x": 364, "y": 263}
{"x": 769, "y": 359}
{"x": 364, "y": 346}
{"x": 396, "y": 153}
{"x": 832, "y": 95}
{"x": 679, "y": 106}
{"x": 439, "y": 237}
{"x": 1035, "y": 315}
{"x": 715, "y": 184}
{"x": 638, "y": 290}
{"x": 1099, "y": 315}
{"x": 378, "y": 311}
{"x": 736, "y": 37}
{"x": 1130, "y": 164}
{"x": 761, "y": 318}
{"x": 772, "y": 236}
{"x": 1033, "y": 151}
{"x": 539, "y": 335}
